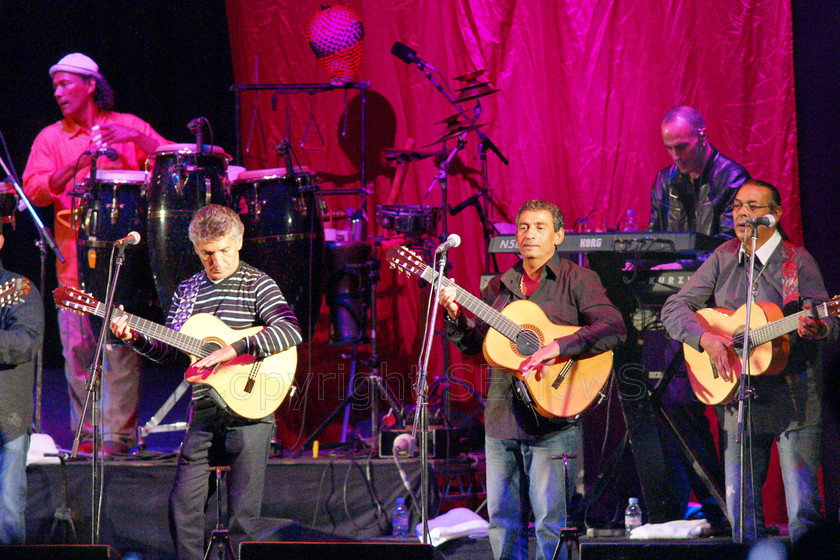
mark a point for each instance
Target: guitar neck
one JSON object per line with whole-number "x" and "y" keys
{"x": 181, "y": 341}
{"x": 771, "y": 331}
{"x": 507, "y": 327}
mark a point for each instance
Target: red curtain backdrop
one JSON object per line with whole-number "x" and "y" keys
{"x": 583, "y": 88}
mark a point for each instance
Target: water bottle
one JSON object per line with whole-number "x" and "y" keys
{"x": 629, "y": 221}
{"x": 400, "y": 520}
{"x": 632, "y": 516}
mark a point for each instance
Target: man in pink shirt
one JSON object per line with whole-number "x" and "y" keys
{"x": 60, "y": 158}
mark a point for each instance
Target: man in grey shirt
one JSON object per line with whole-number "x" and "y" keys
{"x": 785, "y": 407}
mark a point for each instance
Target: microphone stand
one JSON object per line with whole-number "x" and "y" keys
{"x": 46, "y": 239}
{"x": 745, "y": 393}
{"x": 421, "y": 413}
{"x": 93, "y": 390}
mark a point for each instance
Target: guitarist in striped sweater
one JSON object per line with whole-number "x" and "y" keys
{"x": 522, "y": 477}
{"x": 241, "y": 296}
{"x": 786, "y": 406}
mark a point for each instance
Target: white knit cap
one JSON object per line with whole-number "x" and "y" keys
{"x": 76, "y": 63}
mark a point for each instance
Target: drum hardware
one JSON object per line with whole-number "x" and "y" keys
{"x": 208, "y": 191}
{"x": 359, "y": 278}
{"x": 115, "y": 208}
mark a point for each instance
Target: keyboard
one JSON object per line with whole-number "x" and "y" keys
{"x": 675, "y": 242}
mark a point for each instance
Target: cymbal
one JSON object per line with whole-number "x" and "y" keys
{"x": 472, "y": 92}
{"x": 470, "y": 76}
{"x": 475, "y": 87}
{"x": 405, "y": 156}
{"x": 456, "y": 132}
{"x": 451, "y": 119}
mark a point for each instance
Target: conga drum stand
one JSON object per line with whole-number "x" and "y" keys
{"x": 369, "y": 273}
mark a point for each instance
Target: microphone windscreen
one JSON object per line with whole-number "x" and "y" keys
{"x": 402, "y": 443}
{"x": 403, "y": 52}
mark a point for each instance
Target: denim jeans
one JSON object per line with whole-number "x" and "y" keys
{"x": 13, "y": 489}
{"x": 522, "y": 478}
{"x": 799, "y": 459}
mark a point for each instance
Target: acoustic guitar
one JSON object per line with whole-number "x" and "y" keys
{"x": 572, "y": 384}
{"x": 769, "y": 345}
{"x": 13, "y": 291}
{"x": 245, "y": 386}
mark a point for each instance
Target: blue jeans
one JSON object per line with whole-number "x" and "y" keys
{"x": 13, "y": 489}
{"x": 799, "y": 459}
{"x": 522, "y": 478}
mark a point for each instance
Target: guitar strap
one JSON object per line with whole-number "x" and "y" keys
{"x": 790, "y": 274}
{"x": 185, "y": 308}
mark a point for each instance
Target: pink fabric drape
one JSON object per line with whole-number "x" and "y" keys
{"x": 583, "y": 88}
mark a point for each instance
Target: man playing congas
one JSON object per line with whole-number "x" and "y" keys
{"x": 88, "y": 125}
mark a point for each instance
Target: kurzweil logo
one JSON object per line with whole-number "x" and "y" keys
{"x": 590, "y": 242}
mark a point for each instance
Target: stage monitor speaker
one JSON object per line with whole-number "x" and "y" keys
{"x": 333, "y": 550}
{"x": 63, "y": 551}
{"x": 694, "y": 549}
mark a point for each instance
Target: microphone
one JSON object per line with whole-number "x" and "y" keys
{"x": 402, "y": 443}
{"x": 133, "y": 238}
{"x": 768, "y": 220}
{"x": 194, "y": 126}
{"x": 110, "y": 153}
{"x": 409, "y": 56}
{"x": 452, "y": 241}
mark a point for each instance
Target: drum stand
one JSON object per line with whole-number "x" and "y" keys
{"x": 369, "y": 273}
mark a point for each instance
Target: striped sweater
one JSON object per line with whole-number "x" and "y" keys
{"x": 246, "y": 298}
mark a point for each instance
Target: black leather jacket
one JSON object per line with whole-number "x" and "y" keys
{"x": 679, "y": 204}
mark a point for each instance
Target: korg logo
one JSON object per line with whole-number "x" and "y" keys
{"x": 590, "y": 242}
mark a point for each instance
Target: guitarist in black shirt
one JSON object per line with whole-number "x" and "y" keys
{"x": 519, "y": 442}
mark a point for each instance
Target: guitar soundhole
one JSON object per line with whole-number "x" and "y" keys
{"x": 209, "y": 347}
{"x": 527, "y": 342}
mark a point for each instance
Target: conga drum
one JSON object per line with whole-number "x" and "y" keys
{"x": 284, "y": 235}
{"x": 112, "y": 207}
{"x": 181, "y": 181}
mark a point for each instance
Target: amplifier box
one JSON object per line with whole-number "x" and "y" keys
{"x": 442, "y": 442}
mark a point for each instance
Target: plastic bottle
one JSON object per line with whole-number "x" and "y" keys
{"x": 629, "y": 221}
{"x": 400, "y": 519}
{"x": 632, "y": 516}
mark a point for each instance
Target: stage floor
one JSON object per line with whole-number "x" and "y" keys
{"x": 329, "y": 498}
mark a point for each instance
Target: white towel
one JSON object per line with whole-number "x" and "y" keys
{"x": 678, "y": 529}
{"x": 38, "y": 445}
{"x": 454, "y": 524}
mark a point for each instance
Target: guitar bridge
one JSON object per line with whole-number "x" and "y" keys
{"x": 567, "y": 367}
{"x": 252, "y": 376}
